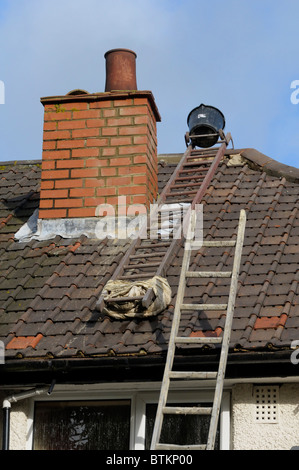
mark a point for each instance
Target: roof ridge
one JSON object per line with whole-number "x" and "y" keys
{"x": 20, "y": 162}
{"x": 269, "y": 165}
{"x": 254, "y": 158}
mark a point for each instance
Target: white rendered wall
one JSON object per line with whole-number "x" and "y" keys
{"x": 246, "y": 433}
{"x": 18, "y": 424}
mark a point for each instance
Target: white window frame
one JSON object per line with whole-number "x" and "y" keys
{"x": 183, "y": 396}
{"x": 140, "y": 395}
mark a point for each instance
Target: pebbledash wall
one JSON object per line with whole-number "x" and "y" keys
{"x": 246, "y": 432}
{"x": 252, "y": 433}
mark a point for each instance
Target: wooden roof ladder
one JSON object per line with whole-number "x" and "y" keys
{"x": 174, "y": 340}
{"x": 146, "y": 257}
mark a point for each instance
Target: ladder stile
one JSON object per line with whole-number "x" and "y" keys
{"x": 227, "y": 331}
{"x": 173, "y": 335}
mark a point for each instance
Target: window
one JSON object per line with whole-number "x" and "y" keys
{"x": 182, "y": 430}
{"x": 103, "y": 425}
{"x": 109, "y": 419}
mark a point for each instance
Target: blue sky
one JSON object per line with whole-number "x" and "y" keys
{"x": 238, "y": 55}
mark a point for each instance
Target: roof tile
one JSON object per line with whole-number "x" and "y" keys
{"x": 23, "y": 342}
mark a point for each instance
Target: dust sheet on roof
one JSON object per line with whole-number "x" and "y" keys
{"x": 134, "y": 309}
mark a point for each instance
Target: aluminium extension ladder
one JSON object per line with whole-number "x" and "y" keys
{"x": 169, "y": 374}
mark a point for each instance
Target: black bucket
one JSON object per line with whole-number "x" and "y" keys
{"x": 206, "y": 121}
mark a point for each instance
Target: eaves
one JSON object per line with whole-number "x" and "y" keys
{"x": 241, "y": 365}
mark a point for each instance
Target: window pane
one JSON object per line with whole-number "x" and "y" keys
{"x": 100, "y": 425}
{"x": 180, "y": 429}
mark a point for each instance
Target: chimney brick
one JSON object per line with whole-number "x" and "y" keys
{"x": 97, "y": 147}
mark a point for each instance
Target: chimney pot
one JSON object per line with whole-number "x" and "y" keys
{"x": 120, "y": 70}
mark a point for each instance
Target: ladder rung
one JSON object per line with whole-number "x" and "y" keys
{"x": 153, "y": 245}
{"x": 148, "y": 255}
{"x": 208, "y": 151}
{"x": 219, "y": 243}
{"x": 193, "y": 170}
{"x": 196, "y": 177}
{"x": 180, "y": 193}
{"x": 192, "y": 375}
{"x": 208, "y": 274}
{"x": 176, "y": 186}
{"x": 208, "y": 155}
{"x": 180, "y": 201}
{"x": 137, "y": 275}
{"x": 203, "y": 306}
{"x": 141, "y": 265}
{"x": 178, "y": 447}
{"x": 198, "y": 163}
{"x": 187, "y": 410}
{"x": 198, "y": 340}
{"x": 123, "y": 299}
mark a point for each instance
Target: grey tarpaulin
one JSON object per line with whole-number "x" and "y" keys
{"x": 134, "y": 309}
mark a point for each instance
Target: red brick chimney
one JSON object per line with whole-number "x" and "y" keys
{"x": 99, "y": 146}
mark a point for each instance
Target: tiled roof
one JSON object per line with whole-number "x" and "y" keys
{"x": 48, "y": 289}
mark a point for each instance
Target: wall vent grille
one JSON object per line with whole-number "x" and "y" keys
{"x": 266, "y": 404}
